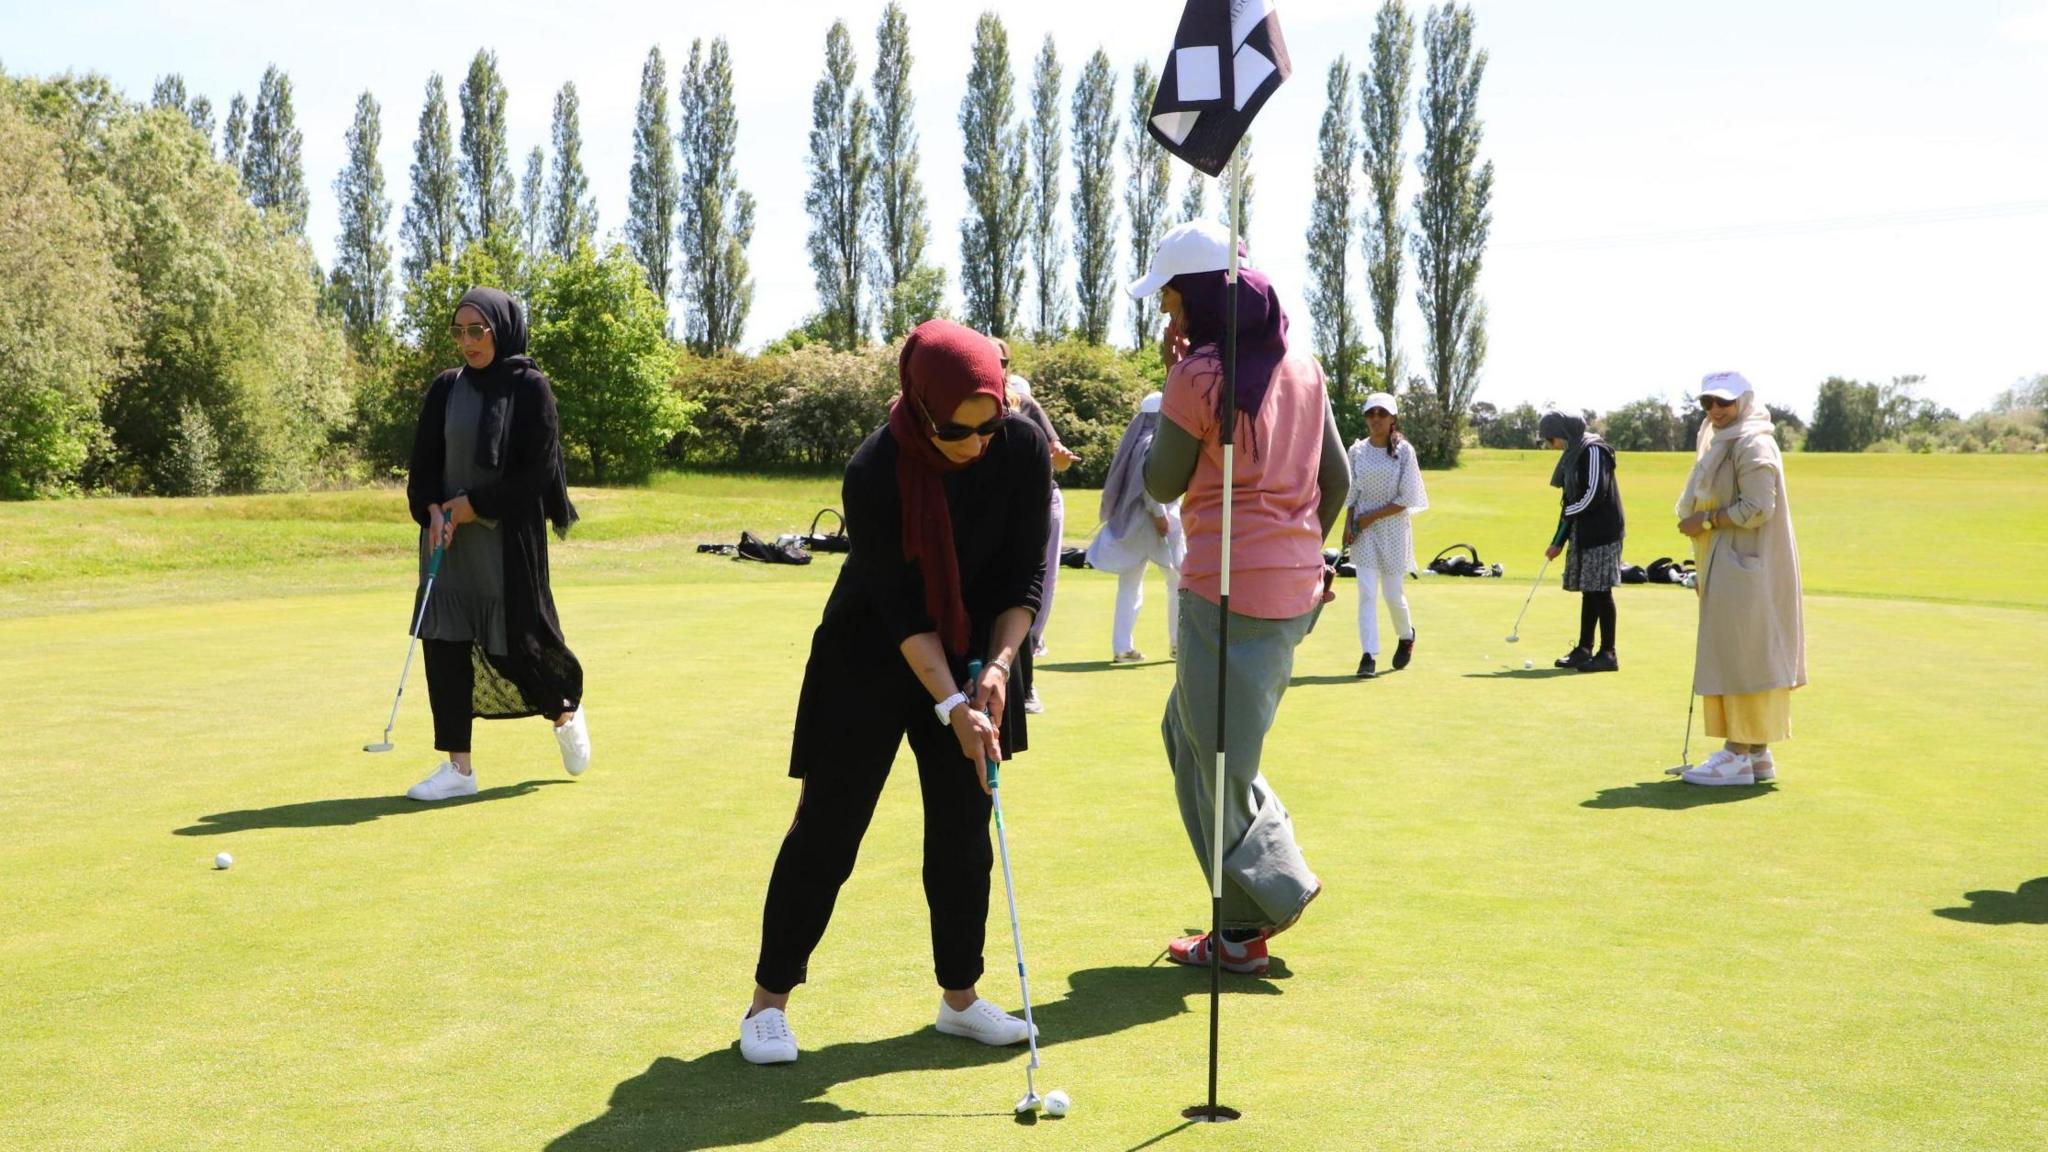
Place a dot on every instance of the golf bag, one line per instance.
(1634, 574)
(1341, 561)
(1665, 570)
(1073, 558)
(787, 549)
(1445, 564)
(831, 541)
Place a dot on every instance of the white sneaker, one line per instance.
(574, 737)
(1132, 657)
(447, 783)
(1762, 768)
(1723, 767)
(982, 1021)
(765, 1038)
(1031, 703)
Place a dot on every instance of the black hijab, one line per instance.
(494, 381)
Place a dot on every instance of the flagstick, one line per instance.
(1214, 1113)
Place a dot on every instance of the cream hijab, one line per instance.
(1715, 447)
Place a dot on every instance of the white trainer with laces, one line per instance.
(1761, 767)
(447, 783)
(765, 1038)
(1722, 768)
(574, 737)
(982, 1021)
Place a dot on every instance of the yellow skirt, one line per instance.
(1751, 717)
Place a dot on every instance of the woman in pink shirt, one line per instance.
(1289, 485)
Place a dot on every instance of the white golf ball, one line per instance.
(223, 861)
(1528, 664)
(1056, 1102)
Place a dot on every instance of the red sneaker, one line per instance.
(1246, 959)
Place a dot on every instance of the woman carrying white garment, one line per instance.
(1751, 649)
(1386, 489)
(1137, 530)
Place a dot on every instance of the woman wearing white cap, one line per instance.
(1137, 530)
(1751, 649)
(1386, 489)
(1287, 490)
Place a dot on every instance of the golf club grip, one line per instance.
(434, 561)
(994, 766)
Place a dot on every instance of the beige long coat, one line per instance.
(1752, 633)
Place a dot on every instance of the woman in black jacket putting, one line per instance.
(1591, 524)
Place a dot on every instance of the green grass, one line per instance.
(1528, 940)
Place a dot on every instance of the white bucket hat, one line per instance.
(1196, 246)
(1383, 400)
(1151, 402)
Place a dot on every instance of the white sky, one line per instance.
(1794, 188)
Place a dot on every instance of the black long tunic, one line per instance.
(1000, 507)
(538, 674)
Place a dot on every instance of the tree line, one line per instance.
(1848, 416)
(206, 350)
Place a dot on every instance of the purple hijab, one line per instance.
(1261, 328)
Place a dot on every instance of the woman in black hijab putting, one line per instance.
(1591, 523)
(486, 480)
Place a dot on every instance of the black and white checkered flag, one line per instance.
(1228, 58)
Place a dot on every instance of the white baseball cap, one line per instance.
(1151, 402)
(1383, 400)
(1727, 386)
(1196, 246)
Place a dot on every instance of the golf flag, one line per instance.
(1228, 58)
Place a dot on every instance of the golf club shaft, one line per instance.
(995, 794)
(1516, 631)
(1692, 686)
(419, 621)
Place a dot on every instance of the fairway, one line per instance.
(1529, 937)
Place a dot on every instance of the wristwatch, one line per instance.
(944, 708)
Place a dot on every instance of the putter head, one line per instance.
(379, 746)
(1515, 639)
(1030, 1103)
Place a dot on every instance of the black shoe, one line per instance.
(1366, 671)
(1574, 659)
(1404, 652)
(1603, 662)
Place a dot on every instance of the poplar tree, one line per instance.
(1330, 225)
(1048, 147)
(432, 227)
(361, 279)
(1094, 197)
(1383, 112)
(1453, 214)
(272, 170)
(909, 290)
(487, 204)
(1145, 196)
(716, 217)
(842, 160)
(571, 210)
(651, 202)
(993, 169)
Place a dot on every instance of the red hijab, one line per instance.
(943, 364)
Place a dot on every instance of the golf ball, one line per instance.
(1056, 1102)
(223, 861)
(1525, 664)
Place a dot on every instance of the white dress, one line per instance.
(1387, 545)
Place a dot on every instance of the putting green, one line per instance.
(1529, 939)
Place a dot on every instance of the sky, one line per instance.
(1794, 189)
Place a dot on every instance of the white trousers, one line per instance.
(1387, 584)
(1130, 596)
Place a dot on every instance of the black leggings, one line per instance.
(831, 817)
(1596, 607)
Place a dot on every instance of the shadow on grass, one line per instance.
(2027, 904)
(718, 1100)
(1095, 666)
(1675, 795)
(1308, 681)
(341, 813)
(1522, 674)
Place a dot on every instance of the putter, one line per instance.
(1515, 636)
(433, 570)
(1031, 1101)
(1685, 763)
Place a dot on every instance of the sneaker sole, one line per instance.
(1731, 781)
(1258, 968)
(773, 1058)
(970, 1034)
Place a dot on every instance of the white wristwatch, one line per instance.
(944, 708)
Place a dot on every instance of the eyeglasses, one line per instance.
(953, 433)
(468, 331)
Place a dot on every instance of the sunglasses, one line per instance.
(1370, 412)
(1715, 402)
(468, 331)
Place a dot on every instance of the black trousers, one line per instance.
(451, 686)
(832, 815)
